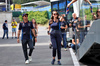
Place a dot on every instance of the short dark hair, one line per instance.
(5, 20)
(97, 13)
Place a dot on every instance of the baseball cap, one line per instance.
(24, 14)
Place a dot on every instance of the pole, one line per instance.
(9, 5)
(75, 41)
(6, 4)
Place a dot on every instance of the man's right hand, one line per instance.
(48, 33)
(18, 41)
(35, 39)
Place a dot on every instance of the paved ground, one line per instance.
(11, 52)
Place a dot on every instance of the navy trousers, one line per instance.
(56, 42)
(5, 32)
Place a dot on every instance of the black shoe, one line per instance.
(16, 37)
(50, 46)
(59, 63)
(8, 38)
(12, 37)
(2, 38)
(53, 61)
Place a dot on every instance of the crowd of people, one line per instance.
(57, 30)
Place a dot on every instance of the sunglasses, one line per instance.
(55, 14)
(25, 16)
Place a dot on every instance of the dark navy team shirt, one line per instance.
(87, 23)
(74, 25)
(55, 26)
(63, 24)
(81, 23)
(5, 26)
(26, 30)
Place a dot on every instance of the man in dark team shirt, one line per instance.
(5, 28)
(74, 21)
(63, 31)
(26, 28)
(82, 26)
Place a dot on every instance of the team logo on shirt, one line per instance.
(28, 24)
(23, 24)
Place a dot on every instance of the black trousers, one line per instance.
(24, 46)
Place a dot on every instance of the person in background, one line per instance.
(56, 37)
(63, 31)
(75, 42)
(14, 25)
(36, 30)
(74, 22)
(83, 28)
(5, 29)
(26, 38)
(87, 24)
(97, 16)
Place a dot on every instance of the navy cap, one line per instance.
(24, 14)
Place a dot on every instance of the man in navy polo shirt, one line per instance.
(5, 28)
(26, 38)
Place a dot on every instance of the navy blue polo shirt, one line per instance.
(26, 30)
(55, 26)
(87, 23)
(63, 24)
(5, 26)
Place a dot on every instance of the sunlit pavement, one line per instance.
(11, 53)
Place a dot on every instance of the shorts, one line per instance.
(13, 29)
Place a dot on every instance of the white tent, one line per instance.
(2, 3)
(39, 3)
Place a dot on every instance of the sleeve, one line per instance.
(49, 23)
(88, 22)
(32, 25)
(16, 23)
(20, 26)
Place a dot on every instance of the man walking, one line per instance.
(5, 29)
(14, 25)
(26, 28)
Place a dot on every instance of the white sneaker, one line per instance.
(30, 58)
(27, 62)
(65, 49)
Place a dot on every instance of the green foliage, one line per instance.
(88, 13)
(49, 10)
(20, 18)
(40, 17)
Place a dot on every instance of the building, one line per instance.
(3, 6)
